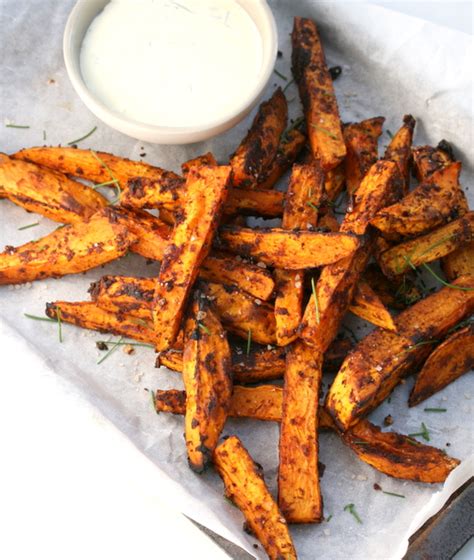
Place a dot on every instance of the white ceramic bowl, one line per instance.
(78, 22)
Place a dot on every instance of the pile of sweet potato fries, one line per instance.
(284, 291)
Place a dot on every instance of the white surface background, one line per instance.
(79, 499)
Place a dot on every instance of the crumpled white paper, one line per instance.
(392, 65)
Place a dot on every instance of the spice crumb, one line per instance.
(388, 420)
(128, 349)
(377, 486)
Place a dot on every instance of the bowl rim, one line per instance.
(117, 120)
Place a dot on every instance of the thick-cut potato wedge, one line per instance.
(267, 203)
(317, 94)
(292, 250)
(393, 454)
(361, 144)
(263, 402)
(205, 159)
(427, 160)
(47, 192)
(367, 305)
(430, 204)
(399, 149)
(450, 360)
(206, 377)
(100, 167)
(206, 189)
(288, 150)
(379, 362)
(243, 315)
(397, 455)
(303, 199)
(68, 250)
(428, 247)
(244, 485)
(89, 315)
(259, 147)
(381, 186)
(299, 495)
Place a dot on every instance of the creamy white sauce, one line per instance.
(172, 63)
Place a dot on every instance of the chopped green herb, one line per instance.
(316, 302)
(294, 125)
(153, 401)
(325, 131)
(447, 284)
(280, 75)
(185, 8)
(44, 135)
(90, 133)
(60, 325)
(389, 133)
(28, 226)
(313, 206)
(204, 328)
(436, 409)
(249, 342)
(393, 494)
(112, 176)
(329, 518)
(288, 85)
(425, 434)
(114, 347)
(36, 318)
(106, 183)
(351, 509)
(124, 343)
(17, 126)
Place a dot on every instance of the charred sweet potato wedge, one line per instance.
(199, 161)
(399, 149)
(380, 360)
(299, 495)
(259, 147)
(89, 315)
(47, 192)
(290, 146)
(335, 180)
(367, 305)
(459, 262)
(397, 292)
(436, 201)
(244, 485)
(101, 167)
(257, 202)
(68, 250)
(206, 377)
(382, 185)
(428, 247)
(427, 160)
(451, 359)
(397, 455)
(291, 250)
(361, 141)
(317, 94)
(302, 202)
(189, 244)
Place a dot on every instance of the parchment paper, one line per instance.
(392, 65)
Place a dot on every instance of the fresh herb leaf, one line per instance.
(17, 126)
(295, 124)
(124, 343)
(153, 401)
(313, 206)
(60, 325)
(28, 226)
(112, 176)
(204, 328)
(114, 347)
(36, 318)
(389, 133)
(436, 409)
(325, 131)
(288, 85)
(316, 302)
(351, 509)
(447, 284)
(280, 75)
(393, 494)
(249, 342)
(90, 133)
(425, 434)
(44, 135)
(329, 518)
(106, 183)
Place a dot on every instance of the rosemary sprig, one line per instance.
(17, 126)
(313, 206)
(291, 82)
(28, 226)
(90, 133)
(60, 325)
(324, 130)
(447, 284)
(351, 509)
(106, 183)
(152, 396)
(204, 328)
(114, 347)
(435, 409)
(36, 318)
(316, 302)
(294, 125)
(280, 75)
(329, 518)
(112, 176)
(389, 133)
(393, 494)
(249, 341)
(126, 343)
(425, 434)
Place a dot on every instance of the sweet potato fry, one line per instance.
(244, 485)
(205, 159)
(382, 185)
(317, 94)
(100, 167)
(259, 147)
(383, 358)
(459, 262)
(90, 315)
(367, 305)
(68, 250)
(242, 314)
(206, 189)
(303, 199)
(427, 160)
(292, 250)
(428, 247)
(334, 182)
(299, 495)
(206, 377)
(47, 192)
(267, 203)
(451, 359)
(361, 141)
(399, 149)
(397, 455)
(430, 204)
(396, 292)
(289, 148)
